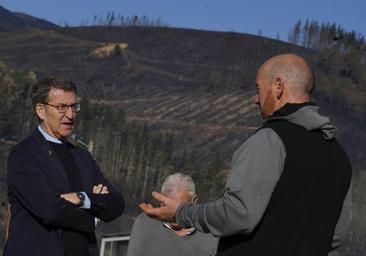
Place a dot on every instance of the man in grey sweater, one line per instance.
(288, 192)
(150, 237)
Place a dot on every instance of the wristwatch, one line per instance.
(81, 198)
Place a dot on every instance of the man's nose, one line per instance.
(70, 113)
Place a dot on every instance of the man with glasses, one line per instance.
(55, 189)
(172, 239)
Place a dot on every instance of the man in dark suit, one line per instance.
(55, 189)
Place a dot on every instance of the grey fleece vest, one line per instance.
(306, 203)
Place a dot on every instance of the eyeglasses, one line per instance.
(62, 108)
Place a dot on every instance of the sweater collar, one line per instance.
(290, 108)
(307, 116)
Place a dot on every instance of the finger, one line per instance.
(100, 187)
(143, 207)
(160, 198)
(148, 209)
(95, 189)
(147, 205)
(104, 190)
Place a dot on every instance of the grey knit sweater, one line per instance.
(150, 238)
(256, 168)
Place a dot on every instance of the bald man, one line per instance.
(289, 181)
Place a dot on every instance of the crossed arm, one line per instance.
(75, 200)
(30, 189)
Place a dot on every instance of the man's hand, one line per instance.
(100, 189)
(165, 212)
(72, 198)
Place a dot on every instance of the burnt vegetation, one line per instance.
(157, 100)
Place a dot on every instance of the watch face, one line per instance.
(81, 197)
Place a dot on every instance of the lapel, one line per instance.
(51, 156)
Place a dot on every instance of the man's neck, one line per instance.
(47, 136)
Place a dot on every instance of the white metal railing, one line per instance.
(112, 240)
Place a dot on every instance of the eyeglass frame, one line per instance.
(74, 107)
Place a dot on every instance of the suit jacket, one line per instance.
(35, 179)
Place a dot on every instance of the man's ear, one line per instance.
(40, 111)
(195, 199)
(279, 87)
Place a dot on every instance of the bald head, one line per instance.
(283, 79)
(293, 70)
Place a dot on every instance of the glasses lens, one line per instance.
(75, 107)
(62, 108)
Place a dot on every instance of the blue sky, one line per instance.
(269, 16)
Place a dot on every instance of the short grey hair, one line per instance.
(177, 182)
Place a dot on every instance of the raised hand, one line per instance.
(166, 211)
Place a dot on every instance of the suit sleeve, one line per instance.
(106, 207)
(256, 169)
(29, 187)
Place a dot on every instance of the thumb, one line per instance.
(160, 197)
